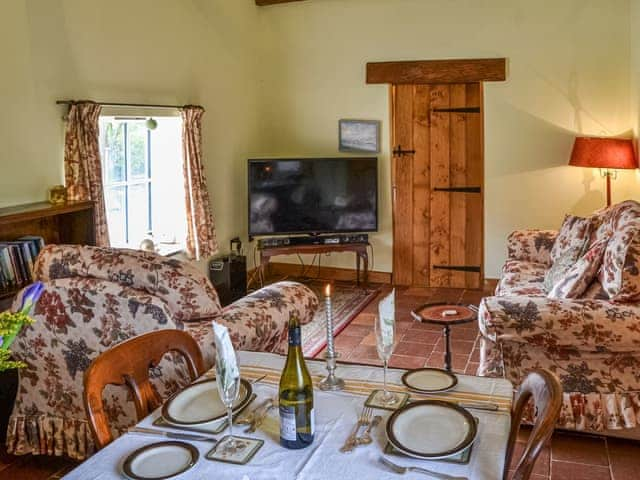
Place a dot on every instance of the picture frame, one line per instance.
(359, 135)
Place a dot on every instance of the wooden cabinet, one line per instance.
(72, 222)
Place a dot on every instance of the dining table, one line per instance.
(336, 413)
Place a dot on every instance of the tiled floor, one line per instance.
(567, 457)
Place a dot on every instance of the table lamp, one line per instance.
(607, 154)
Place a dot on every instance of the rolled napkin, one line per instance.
(386, 318)
(225, 354)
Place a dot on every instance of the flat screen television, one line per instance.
(313, 195)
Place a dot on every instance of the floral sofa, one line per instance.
(591, 342)
(97, 297)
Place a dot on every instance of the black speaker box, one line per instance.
(228, 274)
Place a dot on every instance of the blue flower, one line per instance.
(31, 295)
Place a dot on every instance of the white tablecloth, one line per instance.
(335, 416)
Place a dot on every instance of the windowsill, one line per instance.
(164, 249)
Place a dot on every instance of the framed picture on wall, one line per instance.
(359, 136)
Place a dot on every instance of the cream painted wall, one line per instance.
(143, 51)
(568, 72)
(276, 80)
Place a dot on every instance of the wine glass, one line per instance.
(229, 389)
(385, 335)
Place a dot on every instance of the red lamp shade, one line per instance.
(603, 153)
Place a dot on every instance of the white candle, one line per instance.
(329, 313)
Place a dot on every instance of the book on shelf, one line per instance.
(17, 258)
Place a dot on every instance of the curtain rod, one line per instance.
(113, 104)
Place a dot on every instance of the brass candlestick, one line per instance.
(330, 382)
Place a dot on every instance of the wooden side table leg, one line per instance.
(447, 346)
(365, 273)
(357, 268)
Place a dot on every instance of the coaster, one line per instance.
(462, 457)
(241, 457)
(212, 427)
(375, 400)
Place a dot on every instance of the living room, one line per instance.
(276, 80)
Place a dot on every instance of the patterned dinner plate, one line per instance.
(431, 429)
(160, 461)
(200, 403)
(429, 380)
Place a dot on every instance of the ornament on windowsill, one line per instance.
(151, 123)
(57, 195)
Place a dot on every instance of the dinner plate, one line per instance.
(159, 461)
(200, 403)
(431, 429)
(429, 380)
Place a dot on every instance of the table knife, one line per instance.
(172, 435)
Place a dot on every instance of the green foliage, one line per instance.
(10, 325)
(6, 363)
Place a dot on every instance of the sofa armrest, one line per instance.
(259, 321)
(531, 245)
(561, 325)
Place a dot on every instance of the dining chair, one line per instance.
(544, 388)
(128, 364)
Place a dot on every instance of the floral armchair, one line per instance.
(97, 297)
(592, 342)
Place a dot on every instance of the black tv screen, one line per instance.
(313, 195)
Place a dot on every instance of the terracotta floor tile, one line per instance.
(370, 339)
(624, 458)
(403, 327)
(461, 347)
(363, 319)
(413, 348)
(346, 342)
(426, 337)
(360, 331)
(469, 334)
(472, 368)
(364, 352)
(579, 449)
(407, 361)
(578, 471)
(459, 362)
(543, 461)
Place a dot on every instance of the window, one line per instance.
(143, 181)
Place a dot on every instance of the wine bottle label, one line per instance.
(288, 423)
(295, 339)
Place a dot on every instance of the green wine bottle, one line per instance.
(296, 395)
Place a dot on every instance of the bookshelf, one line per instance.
(72, 222)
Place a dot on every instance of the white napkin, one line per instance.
(225, 354)
(386, 318)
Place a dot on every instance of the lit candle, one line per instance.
(329, 313)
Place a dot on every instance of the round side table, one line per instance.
(446, 315)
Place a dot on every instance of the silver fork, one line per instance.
(363, 420)
(402, 470)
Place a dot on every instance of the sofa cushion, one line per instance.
(579, 276)
(573, 239)
(522, 278)
(620, 273)
(186, 291)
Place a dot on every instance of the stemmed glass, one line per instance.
(385, 335)
(229, 389)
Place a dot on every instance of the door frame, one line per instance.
(434, 72)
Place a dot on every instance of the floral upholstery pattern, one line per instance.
(88, 306)
(522, 278)
(186, 291)
(573, 239)
(581, 274)
(531, 245)
(592, 342)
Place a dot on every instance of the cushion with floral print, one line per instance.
(580, 275)
(573, 238)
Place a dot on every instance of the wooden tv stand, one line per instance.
(360, 249)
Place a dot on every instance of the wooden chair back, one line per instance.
(544, 388)
(128, 364)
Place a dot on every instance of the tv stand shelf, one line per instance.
(360, 249)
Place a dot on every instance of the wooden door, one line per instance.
(437, 175)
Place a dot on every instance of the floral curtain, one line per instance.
(201, 230)
(82, 166)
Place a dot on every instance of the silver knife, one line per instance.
(172, 435)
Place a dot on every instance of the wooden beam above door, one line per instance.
(264, 3)
(438, 71)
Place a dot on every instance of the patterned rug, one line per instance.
(348, 301)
